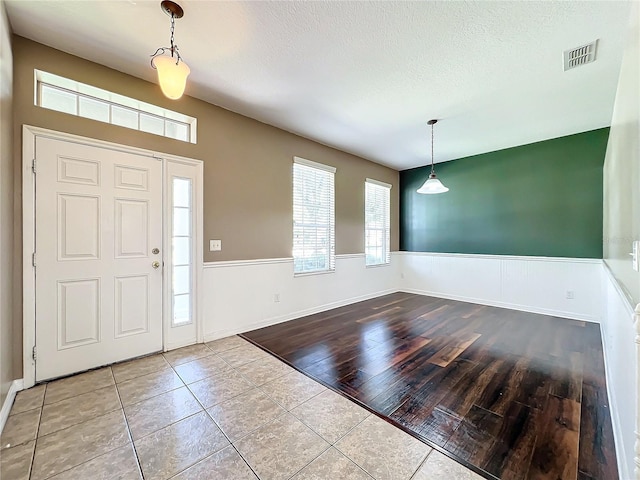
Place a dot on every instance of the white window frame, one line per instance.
(385, 229)
(110, 100)
(331, 255)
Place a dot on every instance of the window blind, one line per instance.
(313, 217)
(377, 222)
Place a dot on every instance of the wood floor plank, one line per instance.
(497, 388)
(456, 346)
(555, 456)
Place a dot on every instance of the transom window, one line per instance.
(75, 98)
(376, 222)
(313, 217)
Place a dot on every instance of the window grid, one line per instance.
(313, 219)
(181, 236)
(377, 223)
(58, 98)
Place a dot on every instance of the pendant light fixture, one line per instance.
(432, 185)
(172, 71)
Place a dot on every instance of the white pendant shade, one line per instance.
(432, 186)
(172, 77)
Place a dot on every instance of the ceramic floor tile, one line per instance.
(201, 368)
(187, 354)
(28, 399)
(281, 448)
(15, 463)
(219, 388)
(20, 428)
(118, 464)
(178, 446)
(158, 412)
(139, 367)
(264, 370)
(227, 343)
(333, 465)
(223, 465)
(245, 354)
(74, 410)
(441, 466)
(147, 386)
(382, 450)
(330, 415)
(245, 413)
(292, 389)
(75, 445)
(78, 384)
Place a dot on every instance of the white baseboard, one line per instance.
(511, 306)
(208, 337)
(15, 387)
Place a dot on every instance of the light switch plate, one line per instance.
(215, 245)
(635, 255)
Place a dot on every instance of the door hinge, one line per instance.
(33, 165)
(34, 353)
(33, 259)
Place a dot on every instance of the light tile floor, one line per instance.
(224, 410)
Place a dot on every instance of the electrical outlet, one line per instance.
(215, 245)
(276, 298)
(570, 295)
(635, 255)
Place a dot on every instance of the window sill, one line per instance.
(377, 265)
(318, 272)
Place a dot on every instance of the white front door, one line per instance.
(98, 256)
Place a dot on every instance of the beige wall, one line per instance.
(247, 164)
(7, 371)
(622, 169)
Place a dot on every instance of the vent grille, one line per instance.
(579, 56)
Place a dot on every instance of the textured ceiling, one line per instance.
(366, 76)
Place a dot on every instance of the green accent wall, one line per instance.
(542, 199)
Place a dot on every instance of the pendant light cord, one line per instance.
(173, 26)
(432, 169)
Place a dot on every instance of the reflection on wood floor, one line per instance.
(516, 395)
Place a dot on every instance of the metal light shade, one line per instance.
(172, 76)
(432, 186)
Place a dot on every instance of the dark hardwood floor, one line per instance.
(513, 395)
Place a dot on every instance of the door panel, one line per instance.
(98, 219)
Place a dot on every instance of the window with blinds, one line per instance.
(377, 212)
(314, 242)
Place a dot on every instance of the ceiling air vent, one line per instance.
(579, 56)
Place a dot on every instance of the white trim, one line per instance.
(240, 263)
(503, 257)
(309, 163)
(618, 288)
(511, 306)
(197, 242)
(293, 315)
(14, 388)
(29, 134)
(378, 182)
(349, 255)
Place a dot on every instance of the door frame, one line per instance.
(29, 135)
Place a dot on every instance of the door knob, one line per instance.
(155, 264)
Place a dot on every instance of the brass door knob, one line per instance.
(155, 264)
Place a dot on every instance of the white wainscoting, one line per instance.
(240, 295)
(618, 332)
(532, 284)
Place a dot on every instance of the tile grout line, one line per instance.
(35, 440)
(214, 422)
(126, 421)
